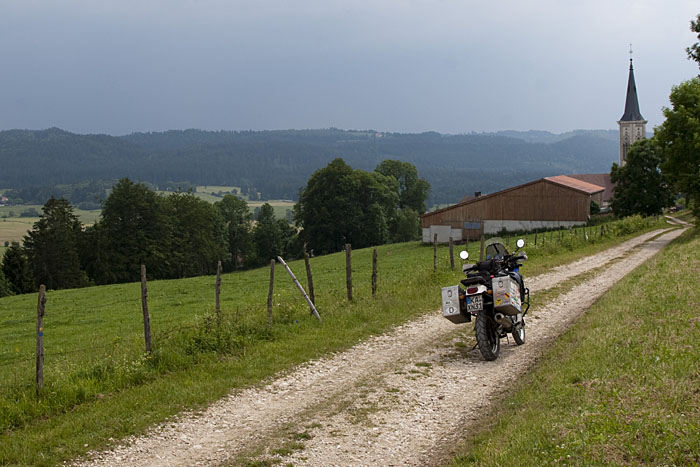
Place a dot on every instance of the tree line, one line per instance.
(278, 163)
(180, 235)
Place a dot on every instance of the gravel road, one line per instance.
(395, 399)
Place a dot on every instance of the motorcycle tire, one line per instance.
(519, 333)
(487, 337)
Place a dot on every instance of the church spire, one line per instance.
(632, 112)
(633, 127)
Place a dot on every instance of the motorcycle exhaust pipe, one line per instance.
(504, 321)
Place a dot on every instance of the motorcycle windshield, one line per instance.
(495, 249)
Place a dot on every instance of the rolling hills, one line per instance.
(278, 163)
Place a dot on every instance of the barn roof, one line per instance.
(600, 180)
(576, 184)
(562, 180)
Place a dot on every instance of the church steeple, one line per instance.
(631, 104)
(632, 124)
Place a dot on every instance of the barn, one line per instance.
(550, 202)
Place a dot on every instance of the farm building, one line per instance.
(550, 202)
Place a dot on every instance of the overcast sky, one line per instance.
(453, 66)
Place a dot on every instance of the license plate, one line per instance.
(475, 303)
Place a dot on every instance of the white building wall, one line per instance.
(444, 232)
(495, 226)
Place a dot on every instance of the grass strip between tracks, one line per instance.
(621, 387)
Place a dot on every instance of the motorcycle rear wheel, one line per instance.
(487, 337)
(519, 333)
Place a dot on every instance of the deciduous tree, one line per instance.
(641, 187)
(237, 222)
(340, 205)
(694, 50)
(267, 236)
(679, 139)
(198, 239)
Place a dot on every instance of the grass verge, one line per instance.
(100, 385)
(620, 387)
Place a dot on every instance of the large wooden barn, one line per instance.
(551, 202)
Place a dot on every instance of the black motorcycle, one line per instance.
(495, 294)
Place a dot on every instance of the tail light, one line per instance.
(471, 290)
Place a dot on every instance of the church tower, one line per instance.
(633, 127)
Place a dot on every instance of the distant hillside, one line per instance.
(278, 163)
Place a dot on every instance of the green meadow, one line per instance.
(100, 384)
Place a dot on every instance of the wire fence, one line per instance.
(127, 341)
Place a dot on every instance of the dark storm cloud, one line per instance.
(450, 66)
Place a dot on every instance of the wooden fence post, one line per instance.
(435, 252)
(40, 308)
(309, 278)
(452, 255)
(270, 292)
(374, 273)
(535, 238)
(144, 306)
(348, 270)
(218, 291)
(301, 289)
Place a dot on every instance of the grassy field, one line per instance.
(100, 385)
(620, 388)
(13, 228)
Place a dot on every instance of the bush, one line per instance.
(31, 212)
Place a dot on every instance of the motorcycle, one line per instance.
(494, 294)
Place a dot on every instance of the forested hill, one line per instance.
(278, 163)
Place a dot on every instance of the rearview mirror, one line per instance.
(464, 254)
(520, 243)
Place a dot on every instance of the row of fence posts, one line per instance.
(310, 299)
(543, 237)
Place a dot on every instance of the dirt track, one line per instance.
(396, 399)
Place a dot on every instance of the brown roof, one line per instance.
(562, 180)
(576, 184)
(600, 180)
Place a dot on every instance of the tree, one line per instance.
(5, 289)
(412, 191)
(15, 267)
(134, 229)
(52, 247)
(237, 222)
(679, 139)
(406, 226)
(267, 236)
(694, 50)
(340, 205)
(198, 238)
(641, 187)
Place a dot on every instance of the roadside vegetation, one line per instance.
(619, 388)
(99, 384)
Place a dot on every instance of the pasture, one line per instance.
(99, 383)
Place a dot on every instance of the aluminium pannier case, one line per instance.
(451, 307)
(506, 295)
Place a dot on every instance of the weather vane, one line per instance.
(630, 51)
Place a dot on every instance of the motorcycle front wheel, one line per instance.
(487, 337)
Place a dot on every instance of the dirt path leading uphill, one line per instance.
(395, 399)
